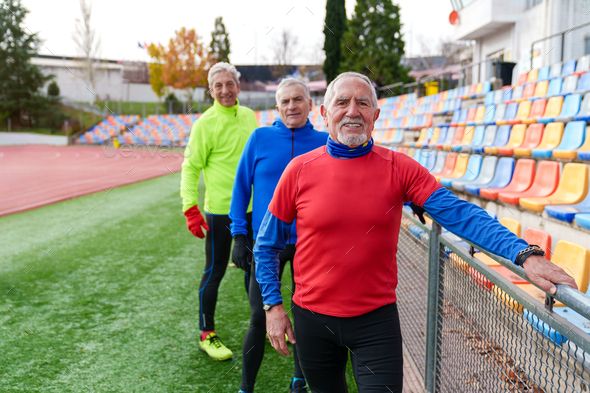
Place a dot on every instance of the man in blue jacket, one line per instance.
(267, 153)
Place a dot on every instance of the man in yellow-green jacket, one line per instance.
(215, 147)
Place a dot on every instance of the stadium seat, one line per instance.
(441, 158)
(416, 155)
(488, 139)
(572, 189)
(512, 225)
(551, 139)
(479, 114)
(468, 172)
(502, 136)
(532, 138)
(574, 259)
(521, 79)
(570, 108)
(540, 238)
(440, 133)
(455, 118)
(516, 94)
(544, 184)
(543, 74)
(498, 96)
(488, 117)
(568, 68)
(449, 167)
(517, 135)
(499, 113)
(555, 70)
(421, 138)
(583, 65)
(469, 118)
(537, 110)
(485, 88)
(570, 83)
(527, 92)
(584, 113)
(568, 212)
(462, 118)
(583, 83)
(583, 220)
(448, 138)
(541, 89)
(511, 110)
(467, 138)
(524, 108)
(501, 178)
(485, 175)
(552, 110)
(489, 100)
(522, 179)
(554, 88)
(584, 150)
(457, 138)
(434, 135)
(573, 139)
(532, 75)
(399, 136)
(477, 140)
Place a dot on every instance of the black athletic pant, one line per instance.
(217, 251)
(254, 341)
(373, 339)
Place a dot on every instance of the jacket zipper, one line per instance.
(292, 150)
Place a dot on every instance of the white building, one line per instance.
(508, 29)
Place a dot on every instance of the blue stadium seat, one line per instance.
(455, 118)
(583, 220)
(570, 108)
(584, 83)
(554, 88)
(543, 74)
(572, 139)
(489, 98)
(487, 87)
(417, 155)
(502, 136)
(506, 95)
(510, 113)
(399, 136)
(502, 177)
(486, 174)
(489, 116)
(568, 212)
(568, 68)
(499, 113)
(584, 113)
(477, 140)
(431, 160)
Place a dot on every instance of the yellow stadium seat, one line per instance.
(508, 300)
(532, 75)
(551, 138)
(574, 260)
(410, 152)
(541, 89)
(460, 167)
(479, 114)
(512, 225)
(468, 136)
(478, 88)
(572, 188)
(433, 137)
(553, 108)
(524, 108)
(516, 137)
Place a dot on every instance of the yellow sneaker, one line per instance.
(213, 347)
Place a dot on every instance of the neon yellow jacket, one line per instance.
(215, 146)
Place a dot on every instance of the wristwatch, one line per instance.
(527, 252)
(267, 307)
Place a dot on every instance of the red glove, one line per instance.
(194, 222)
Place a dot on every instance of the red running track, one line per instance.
(33, 175)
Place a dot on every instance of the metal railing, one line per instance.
(467, 328)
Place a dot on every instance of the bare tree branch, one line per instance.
(88, 46)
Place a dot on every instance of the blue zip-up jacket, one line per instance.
(266, 155)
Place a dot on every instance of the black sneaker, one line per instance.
(298, 386)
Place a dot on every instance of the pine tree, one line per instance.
(334, 29)
(373, 44)
(21, 82)
(219, 48)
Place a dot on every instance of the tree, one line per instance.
(185, 62)
(334, 29)
(155, 67)
(285, 49)
(21, 83)
(88, 45)
(53, 89)
(373, 44)
(219, 47)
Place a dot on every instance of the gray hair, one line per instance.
(330, 90)
(288, 82)
(221, 66)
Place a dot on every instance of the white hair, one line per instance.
(221, 66)
(288, 82)
(330, 90)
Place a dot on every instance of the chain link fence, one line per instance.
(479, 335)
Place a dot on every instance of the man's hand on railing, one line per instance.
(545, 274)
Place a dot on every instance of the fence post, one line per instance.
(432, 308)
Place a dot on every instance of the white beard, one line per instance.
(352, 139)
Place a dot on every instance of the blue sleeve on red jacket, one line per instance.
(242, 189)
(271, 240)
(473, 223)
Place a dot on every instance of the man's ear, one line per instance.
(324, 113)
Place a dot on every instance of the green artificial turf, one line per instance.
(99, 294)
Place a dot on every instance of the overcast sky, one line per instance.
(253, 25)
